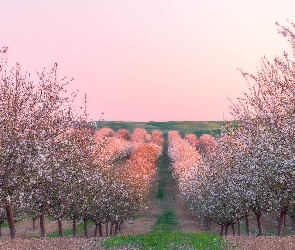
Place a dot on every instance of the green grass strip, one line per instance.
(167, 221)
(69, 231)
(5, 223)
(161, 189)
(167, 241)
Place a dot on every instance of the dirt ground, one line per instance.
(25, 230)
(187, 223)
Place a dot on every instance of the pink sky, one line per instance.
(145, 60)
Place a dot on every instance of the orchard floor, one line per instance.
(25, 234)
(26, 241)
(186, 223)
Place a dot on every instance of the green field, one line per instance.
(166, 234)
(184, 127)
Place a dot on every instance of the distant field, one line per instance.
(184, 127)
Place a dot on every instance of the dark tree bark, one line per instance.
(111, 230)
(233, 229)
(42, 222)
(60, 231)
(34, 223)
(221, 230)
(10, 218)
(100, 229)
(96, 230)
(247, 225)
(226, 230)
(259, 224)
(293, 219)
(116, 228)
(85, 228)
(107, 229)
(239, 228)
(75, 228)
(1, 222)
(281, 221)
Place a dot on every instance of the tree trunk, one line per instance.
(226, 230)
(293, 219)
(107, 229)
(247, 225)
(233, 228)
(100, 229)
(239, 228)
(34, 223)
(111, 230)
(75, 228)
(206, 223)
(281, 221)
(116, 228)
(42, 222)
(1, 222)
(221, 230)
(85, 228)
(119, 227)
(96, 230)
(60, 231)
(10, 218)
(259, 224)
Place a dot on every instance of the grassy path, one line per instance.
(166, 234)
(167, 222)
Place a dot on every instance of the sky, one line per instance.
(147, 60)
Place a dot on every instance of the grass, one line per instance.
(167, 222)
(69, 231)
(164, 234)
(162, 182)
(164, 174)
(161, 191)
(184, 127)
(4, 224)
(168, 241)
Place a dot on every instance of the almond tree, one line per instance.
(2, 219)
(192, 139)
(120, 191)
(32, 115)
(157, 137)
(139, 136)
(110, 150)
(69, 172)
(123, 134)
(270, 103)
(105, 132)
(206, 144)
(183, 156)
(256, 159)
(141, 169)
